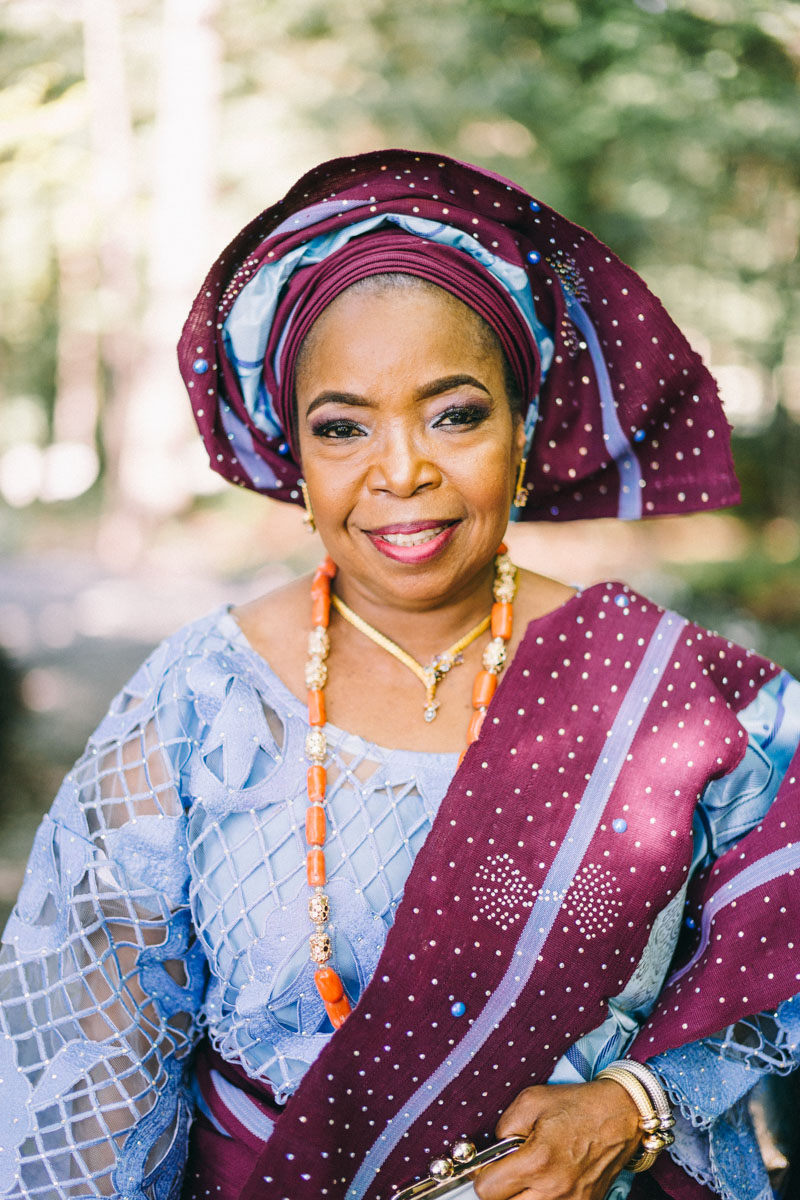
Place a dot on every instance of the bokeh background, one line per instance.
(137, 136)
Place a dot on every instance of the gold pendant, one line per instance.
(432, 677)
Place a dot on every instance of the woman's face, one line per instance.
(408, 443)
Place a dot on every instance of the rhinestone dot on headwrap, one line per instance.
(382, 253)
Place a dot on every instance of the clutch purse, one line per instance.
(451, 1175)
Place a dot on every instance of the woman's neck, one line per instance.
(422, 628)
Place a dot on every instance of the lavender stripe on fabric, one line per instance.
(242, 1107)
(758, 873)
(630, 475)
(780, 711)
(534, 934)
(201, 1105)
(314, 214)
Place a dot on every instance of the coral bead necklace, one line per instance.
(327, 981)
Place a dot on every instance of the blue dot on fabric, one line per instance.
(621, 601)
(534, 256)
(619, 825)
(283, 448)
(458, 1009)
(639, 436)
(200, 366)
(690, 923)
(535, 206)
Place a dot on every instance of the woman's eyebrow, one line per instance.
(446, 384)
(434, 388)
(338, 398)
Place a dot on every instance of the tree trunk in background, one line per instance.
(71, 462)
(113, 184)
(75, 411)
(154, 462)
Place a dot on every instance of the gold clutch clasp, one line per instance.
(454, 1169)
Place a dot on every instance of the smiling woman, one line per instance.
(526, 881)
(417, 432)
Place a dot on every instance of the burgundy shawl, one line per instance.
(564, 833)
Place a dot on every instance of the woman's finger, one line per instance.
(520, 1116)
(513, 1175)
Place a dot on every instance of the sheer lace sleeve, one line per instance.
(101, 978)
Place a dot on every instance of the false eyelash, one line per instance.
(470, 413)
(324, 427)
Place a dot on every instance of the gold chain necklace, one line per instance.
(328, 983)
(439, 665)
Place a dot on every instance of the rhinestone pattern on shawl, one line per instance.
(627, 421)
(666, 696)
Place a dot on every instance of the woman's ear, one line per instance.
(519, 491)
(519, 438)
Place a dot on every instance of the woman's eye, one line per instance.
(462, 414)
(337, 429)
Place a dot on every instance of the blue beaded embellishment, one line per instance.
(639, 436)
(200, 366)
(533, 256)
(621, 601)
(619, 825)
(458, 1009)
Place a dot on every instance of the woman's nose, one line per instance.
(402, 464)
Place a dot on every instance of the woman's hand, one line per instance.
(580, 1136)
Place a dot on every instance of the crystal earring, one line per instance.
(308, 516)
(521, 492)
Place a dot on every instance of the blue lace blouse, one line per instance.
(165, 897)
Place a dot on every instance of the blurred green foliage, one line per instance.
(669, 127)
(673, 135)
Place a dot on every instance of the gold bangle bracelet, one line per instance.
(655, 1090)
(649, 1121)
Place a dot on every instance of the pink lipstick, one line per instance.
(412, 541)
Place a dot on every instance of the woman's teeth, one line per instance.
(412, 539)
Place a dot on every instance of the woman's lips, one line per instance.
(412, 542)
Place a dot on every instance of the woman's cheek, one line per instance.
(489, 477)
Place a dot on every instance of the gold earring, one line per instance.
(308, 516)
(521, 492)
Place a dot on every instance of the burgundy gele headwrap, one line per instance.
(629, 419)
(313, 288)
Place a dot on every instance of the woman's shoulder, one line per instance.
(272, 617)
(275, 626)
(708, 659)
(537, 595)
(211, 635)
(618, 609)
(192, 671)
